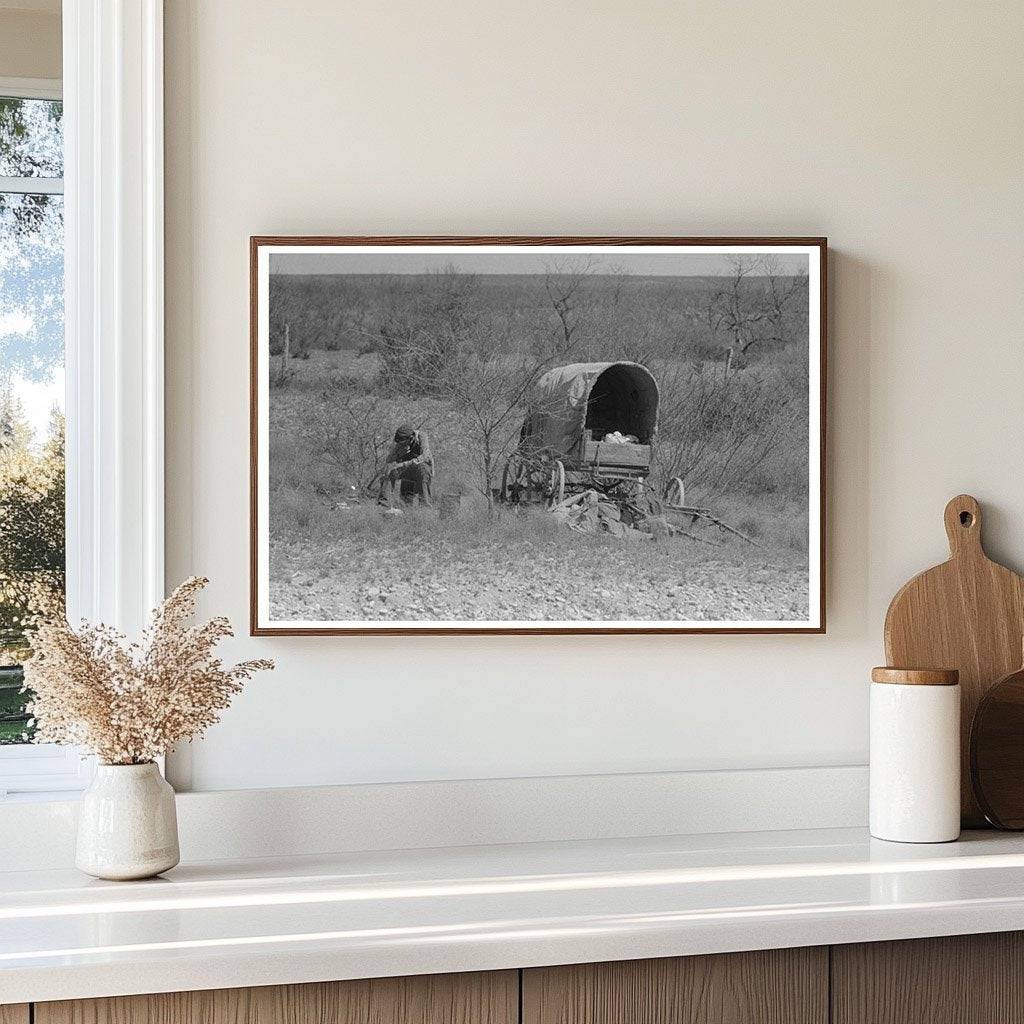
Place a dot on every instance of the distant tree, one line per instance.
(16, 433)
(425, 328)
(755, 306)
(786, 301)
(564, 285)
(737, 310)
(32, 552)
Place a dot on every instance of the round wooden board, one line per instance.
(997, 753)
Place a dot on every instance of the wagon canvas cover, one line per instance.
(618, 396)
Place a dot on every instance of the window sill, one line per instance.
(44, 771)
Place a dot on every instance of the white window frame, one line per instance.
(45, 767)
(32, 88)
(114, 325)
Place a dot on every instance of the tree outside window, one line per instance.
(31, 386)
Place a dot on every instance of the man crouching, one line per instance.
(409, 465)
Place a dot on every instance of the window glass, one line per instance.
(31, 387)
(31, 139)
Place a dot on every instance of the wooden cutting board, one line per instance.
(967, 614)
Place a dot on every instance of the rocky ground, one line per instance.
(413, 567)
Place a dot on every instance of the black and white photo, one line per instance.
(563, 435)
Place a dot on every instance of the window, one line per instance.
(107, 143)
(32, 550)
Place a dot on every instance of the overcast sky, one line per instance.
(664, 264)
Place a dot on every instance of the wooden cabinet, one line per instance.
(777, 986)
(963, 979)
(490, 998)
(971, 979)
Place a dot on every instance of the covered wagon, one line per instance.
(588, 426)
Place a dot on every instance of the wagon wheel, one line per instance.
(649, 501)
(514, 480)
(675, 492)
(557, 487)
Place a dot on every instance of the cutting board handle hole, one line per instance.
(962, 518)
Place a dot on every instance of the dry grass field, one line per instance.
(737, 434)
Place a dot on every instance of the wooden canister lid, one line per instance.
(916, 676)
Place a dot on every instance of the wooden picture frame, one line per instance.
(615, 253)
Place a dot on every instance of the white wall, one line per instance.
(895, 129)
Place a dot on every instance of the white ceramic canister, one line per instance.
(127, 825)
(915, 755)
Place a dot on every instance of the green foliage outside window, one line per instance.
(31, 549)
(31, 356)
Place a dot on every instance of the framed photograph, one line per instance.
(537, 435)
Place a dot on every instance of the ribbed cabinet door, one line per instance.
(778, 986)
(14, 1013)
(962, 979)
(490, 998)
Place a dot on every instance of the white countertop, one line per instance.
(262, 922)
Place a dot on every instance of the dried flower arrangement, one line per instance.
(129, 703)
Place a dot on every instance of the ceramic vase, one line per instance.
(127, 825)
